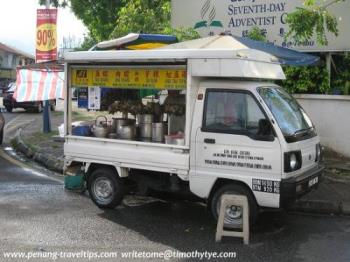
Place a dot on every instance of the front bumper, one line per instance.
(295, 187)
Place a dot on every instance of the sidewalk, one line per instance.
(28, 137)
(332, 195)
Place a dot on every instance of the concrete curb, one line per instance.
(47, 161)
(322, 207)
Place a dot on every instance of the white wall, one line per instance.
(331, 116)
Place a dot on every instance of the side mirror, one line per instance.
(265, 131)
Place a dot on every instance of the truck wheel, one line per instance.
(53, 107)
(233, 217)
(9, 109)
(106, 189)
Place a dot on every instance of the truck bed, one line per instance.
(130, 154)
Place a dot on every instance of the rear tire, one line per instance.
(105, 187)
(233, 217)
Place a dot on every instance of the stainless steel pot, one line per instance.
(157, 132)
(145, 130)
(119, 122)
(145, 118)
(127, 132)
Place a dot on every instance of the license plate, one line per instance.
(313, 181)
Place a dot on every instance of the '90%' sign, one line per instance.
(46, 37)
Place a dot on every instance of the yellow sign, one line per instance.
(129, 78)
(46, 37)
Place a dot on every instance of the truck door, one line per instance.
(236, 141)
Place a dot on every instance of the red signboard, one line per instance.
(46, 35)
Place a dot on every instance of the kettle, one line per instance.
(100, 129)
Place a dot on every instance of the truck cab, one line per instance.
(254, 139)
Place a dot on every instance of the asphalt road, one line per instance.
(37, 214)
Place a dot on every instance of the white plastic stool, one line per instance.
(233, 200)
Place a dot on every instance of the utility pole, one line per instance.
(46, 113)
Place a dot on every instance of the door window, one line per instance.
(231, 112)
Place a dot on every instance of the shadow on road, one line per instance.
(187, 226)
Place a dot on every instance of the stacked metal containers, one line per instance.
(145, 126)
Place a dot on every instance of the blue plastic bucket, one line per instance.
(81, 131)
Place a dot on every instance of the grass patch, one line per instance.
(338, 172)
(57, 113)
(38, 138)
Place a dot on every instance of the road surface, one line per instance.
(38, 215)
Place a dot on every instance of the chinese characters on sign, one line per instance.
(46, 35)
(138, 78)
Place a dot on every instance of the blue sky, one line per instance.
(18, 24)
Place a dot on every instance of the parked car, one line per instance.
(2, 124)
(10, 102)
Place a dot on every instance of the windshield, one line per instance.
(12, 87)
(289, 115)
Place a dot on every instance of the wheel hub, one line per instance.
(103, 190)
(233, 215)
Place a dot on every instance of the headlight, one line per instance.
(292, 161)
(318, 153)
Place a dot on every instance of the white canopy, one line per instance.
(216, 56)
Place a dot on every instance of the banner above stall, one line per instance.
(38, 85)
(130, 78)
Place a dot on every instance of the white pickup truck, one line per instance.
(243, 134)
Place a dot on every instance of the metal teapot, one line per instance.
(100, 129)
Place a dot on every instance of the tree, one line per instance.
(313, 18)
(109, 19)
(148, 16)
(256, 34)
(98, 16)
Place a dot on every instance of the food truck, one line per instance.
(218, 126)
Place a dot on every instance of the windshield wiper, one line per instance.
(302, 131)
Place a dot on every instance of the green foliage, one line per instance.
(256, 34)
(149, 17)
(98, 16)
(182, 34)
(109, 19)
(55, 3)
(309, 79)
(341, 81)
(142, 16)
(88, 42)
(313, 18)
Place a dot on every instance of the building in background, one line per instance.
(237, 17)
(10, 58)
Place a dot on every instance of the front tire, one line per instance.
(105, 187)
(9, 109)
(233, 216)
